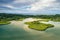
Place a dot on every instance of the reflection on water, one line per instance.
(17, 30)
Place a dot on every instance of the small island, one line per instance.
(39, 26)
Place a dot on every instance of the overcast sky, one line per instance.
(30, 6)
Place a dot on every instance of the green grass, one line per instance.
(4, 22)
(38, 26)
(56, 20)
(21, 19)
(46, 20)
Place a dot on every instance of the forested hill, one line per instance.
(5, 16)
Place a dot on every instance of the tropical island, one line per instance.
(38, 26)
(5, 18)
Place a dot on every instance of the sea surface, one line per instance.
(17, 30)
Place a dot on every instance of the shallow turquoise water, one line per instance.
(18, 31)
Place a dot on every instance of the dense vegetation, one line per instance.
(9, 17)
(38, 26)
(5, 18)
(4, 22)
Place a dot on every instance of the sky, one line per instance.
(30, 6)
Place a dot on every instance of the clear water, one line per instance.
(19, 31)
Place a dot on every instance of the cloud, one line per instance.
(31, 6)
(21, 1)
(16, 4)
(6, 1)
(41, 4)
(10, 6)
(58, 0)
(24, 1)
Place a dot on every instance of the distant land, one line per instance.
(33, 13)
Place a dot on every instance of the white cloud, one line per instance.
(33, 6)
(54, 6)
(23, 1)
(41, 5)
(10, 6)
